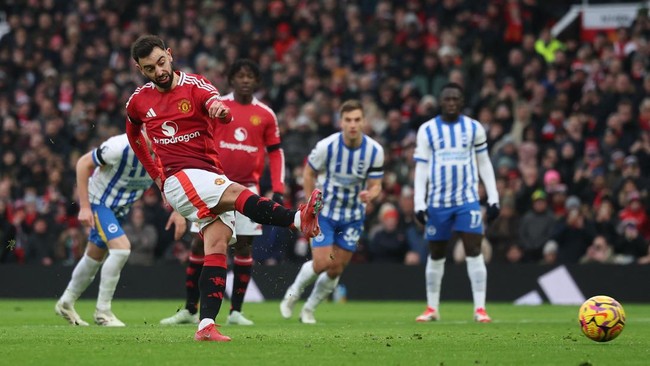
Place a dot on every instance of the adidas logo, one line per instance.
(150, 113)
(559, 287)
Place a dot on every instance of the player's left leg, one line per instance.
(437, 232)
(119, 249)
(469, 225)
(242, 268)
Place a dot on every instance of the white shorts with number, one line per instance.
(243, 225)
(192, 192)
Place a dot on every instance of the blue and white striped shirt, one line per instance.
(119, 179)
(343, 173)
(450, 151)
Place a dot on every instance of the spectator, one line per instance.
(503, 232)
(565, 104)
(635, 212)
(387, 244)
(536, 227)
(600, 251)
(630, 247)
(573, 234)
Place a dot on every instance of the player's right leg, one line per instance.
(438, 232)
(218, 194)
(267, 212)
(189, 314)
(82, 276)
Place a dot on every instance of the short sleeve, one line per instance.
(377, 168)
(423, 149)
(110, 151)
(318, 156)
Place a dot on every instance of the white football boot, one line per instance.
(181, 317)
(67, 312)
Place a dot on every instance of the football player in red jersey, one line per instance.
(252, 135)
(178, 112)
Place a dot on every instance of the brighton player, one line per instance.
(450, 155)
(179, 112)
(252, 135)
(109, 180)
(349, 168)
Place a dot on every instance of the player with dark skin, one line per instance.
(454, 143)
(451, 104)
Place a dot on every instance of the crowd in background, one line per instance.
(568, 119)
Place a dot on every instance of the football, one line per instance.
(601, 318)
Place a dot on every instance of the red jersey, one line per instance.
(177, 123)
(243, 142)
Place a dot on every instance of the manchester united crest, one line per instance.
(184, 106)
(256, 120)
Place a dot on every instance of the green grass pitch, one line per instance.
(353, 333)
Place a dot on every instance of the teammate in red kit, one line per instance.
(178, 112)
(252, 135)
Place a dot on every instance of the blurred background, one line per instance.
(562, 91)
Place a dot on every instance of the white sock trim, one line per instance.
(296, 220)
(205, 322)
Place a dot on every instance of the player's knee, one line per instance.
(242, 250)
(472, 251)
(438, 251)
(216, 245)
(335, 271)
(196, 247)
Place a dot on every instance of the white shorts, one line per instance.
(193, 192)
(243, 225)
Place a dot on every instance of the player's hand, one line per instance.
(364, 196)
(492, 212)
(218, 110)
(86, 218)
(278, 198)
(421, 216)
(180, 225)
